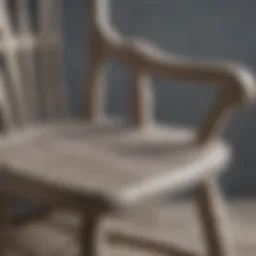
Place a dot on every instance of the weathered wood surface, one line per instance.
(110, 160)
(73, 164)
(176, 223)
(235, 81)
(154, 153)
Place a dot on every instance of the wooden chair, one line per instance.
(99, 166)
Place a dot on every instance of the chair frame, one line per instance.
(235, 83)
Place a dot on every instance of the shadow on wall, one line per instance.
(219, 29)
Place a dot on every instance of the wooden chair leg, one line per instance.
(88, 234)
(214, 220)
(3, 222)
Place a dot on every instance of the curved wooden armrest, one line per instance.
(235, 80)
(147, 57)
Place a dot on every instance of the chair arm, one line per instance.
(235, 80)
(148, 57)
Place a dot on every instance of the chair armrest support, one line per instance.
(145, 55)
(235, 81)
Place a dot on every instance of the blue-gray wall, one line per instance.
(205, 28)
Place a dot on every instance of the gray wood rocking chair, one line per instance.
(97, 165)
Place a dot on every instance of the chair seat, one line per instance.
(74, 160)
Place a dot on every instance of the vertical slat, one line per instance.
(95, 84)
(50, 61)
(96, 72)
(32, 87)
(27, 61)
(62, 97)
(141, 99)
(8, 118)
(44, 57)
(12, 67)
(16, 91)
(23, 17)
(44, 19)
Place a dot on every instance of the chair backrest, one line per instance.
(31, 61)
(30, 57)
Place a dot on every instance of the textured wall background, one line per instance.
(205, 28)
